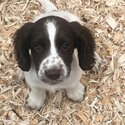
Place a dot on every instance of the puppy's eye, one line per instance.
(65, 46)
(38, 47)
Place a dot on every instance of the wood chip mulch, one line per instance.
(104, 103)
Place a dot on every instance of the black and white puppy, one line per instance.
(52, 51)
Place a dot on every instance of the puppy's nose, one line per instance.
(53, 74)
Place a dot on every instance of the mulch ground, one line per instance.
(104, 103)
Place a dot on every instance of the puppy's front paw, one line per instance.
(35, 101)
(76, 93)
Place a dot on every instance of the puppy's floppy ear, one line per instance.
(21, 44)
(85, 45)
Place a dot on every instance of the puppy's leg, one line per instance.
(36, 98)
(77, 92)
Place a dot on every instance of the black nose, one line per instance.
(53, 74)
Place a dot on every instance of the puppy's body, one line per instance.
(52, 51)
(62, 14)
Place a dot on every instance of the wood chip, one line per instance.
(111, 21)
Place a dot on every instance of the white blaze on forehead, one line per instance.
(53, 59)
(51, 29)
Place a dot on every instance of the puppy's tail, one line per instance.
(47, 5)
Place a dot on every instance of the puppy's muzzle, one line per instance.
(53, 74)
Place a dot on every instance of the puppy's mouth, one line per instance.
(51, 82)
(54, 79)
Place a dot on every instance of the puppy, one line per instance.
(52, 51)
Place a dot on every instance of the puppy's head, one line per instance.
(48, 45)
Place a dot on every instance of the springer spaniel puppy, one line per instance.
(52, 51)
